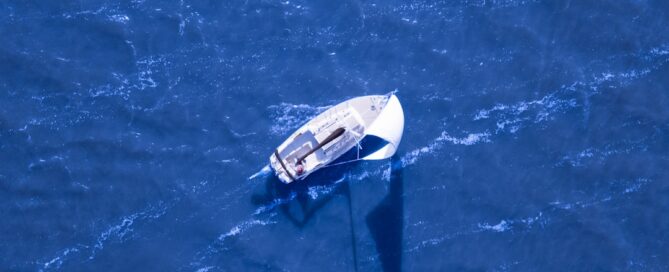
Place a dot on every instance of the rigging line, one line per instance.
(357, 142)
(340, 163)
(349, 161)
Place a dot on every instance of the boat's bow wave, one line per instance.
(261, 173)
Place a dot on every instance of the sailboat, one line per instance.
(336, 131)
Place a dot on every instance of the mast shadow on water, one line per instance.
(385, 221)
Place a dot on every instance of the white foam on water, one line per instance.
(600, 155)
(289, 117)
(538, 110)
(411, 21)
(387, 172)
(503, 226)
(118, 232)
(58, 261)
(506, 266)
(507, 224)
(261, 173)
(432, 188)
(413, 156)
(276, 202)
(636, 185)
(315, 191)
(472, 138)
(241, 227)
(242, 135)
(436, 241)
(119, 18)
(205, 269)
(511, 116)
(226, 161)
(655, 58)
(542, 218)
(581, 204)
(360, 176)
(127, 84)
(632, 187)
(578, 158)
(513, 125)
(200, 186)
(500, 4)
(485, 114)
(435, 97)
(499, 227)
(660, 51)
(440, 51)
(529, 221)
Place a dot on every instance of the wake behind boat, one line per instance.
(339, 129)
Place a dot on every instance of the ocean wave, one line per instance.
(119, 233)
(205, 269)
(387, 172)
(288, 117)
(320, 190)
(276, 202)
(56, 262)
(600, 155)
(243, 226)
(540, 220)
(511, 117)
(537, 110)
(445, 10)
(470, 139)
(217, 247)
(500, 227)
(630, 187)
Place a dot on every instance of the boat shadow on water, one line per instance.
(303, 199)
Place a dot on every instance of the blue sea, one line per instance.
(135, 135)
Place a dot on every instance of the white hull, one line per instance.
(335, 131)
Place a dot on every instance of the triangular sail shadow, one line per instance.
(386, 222)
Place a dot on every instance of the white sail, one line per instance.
(389, 126)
